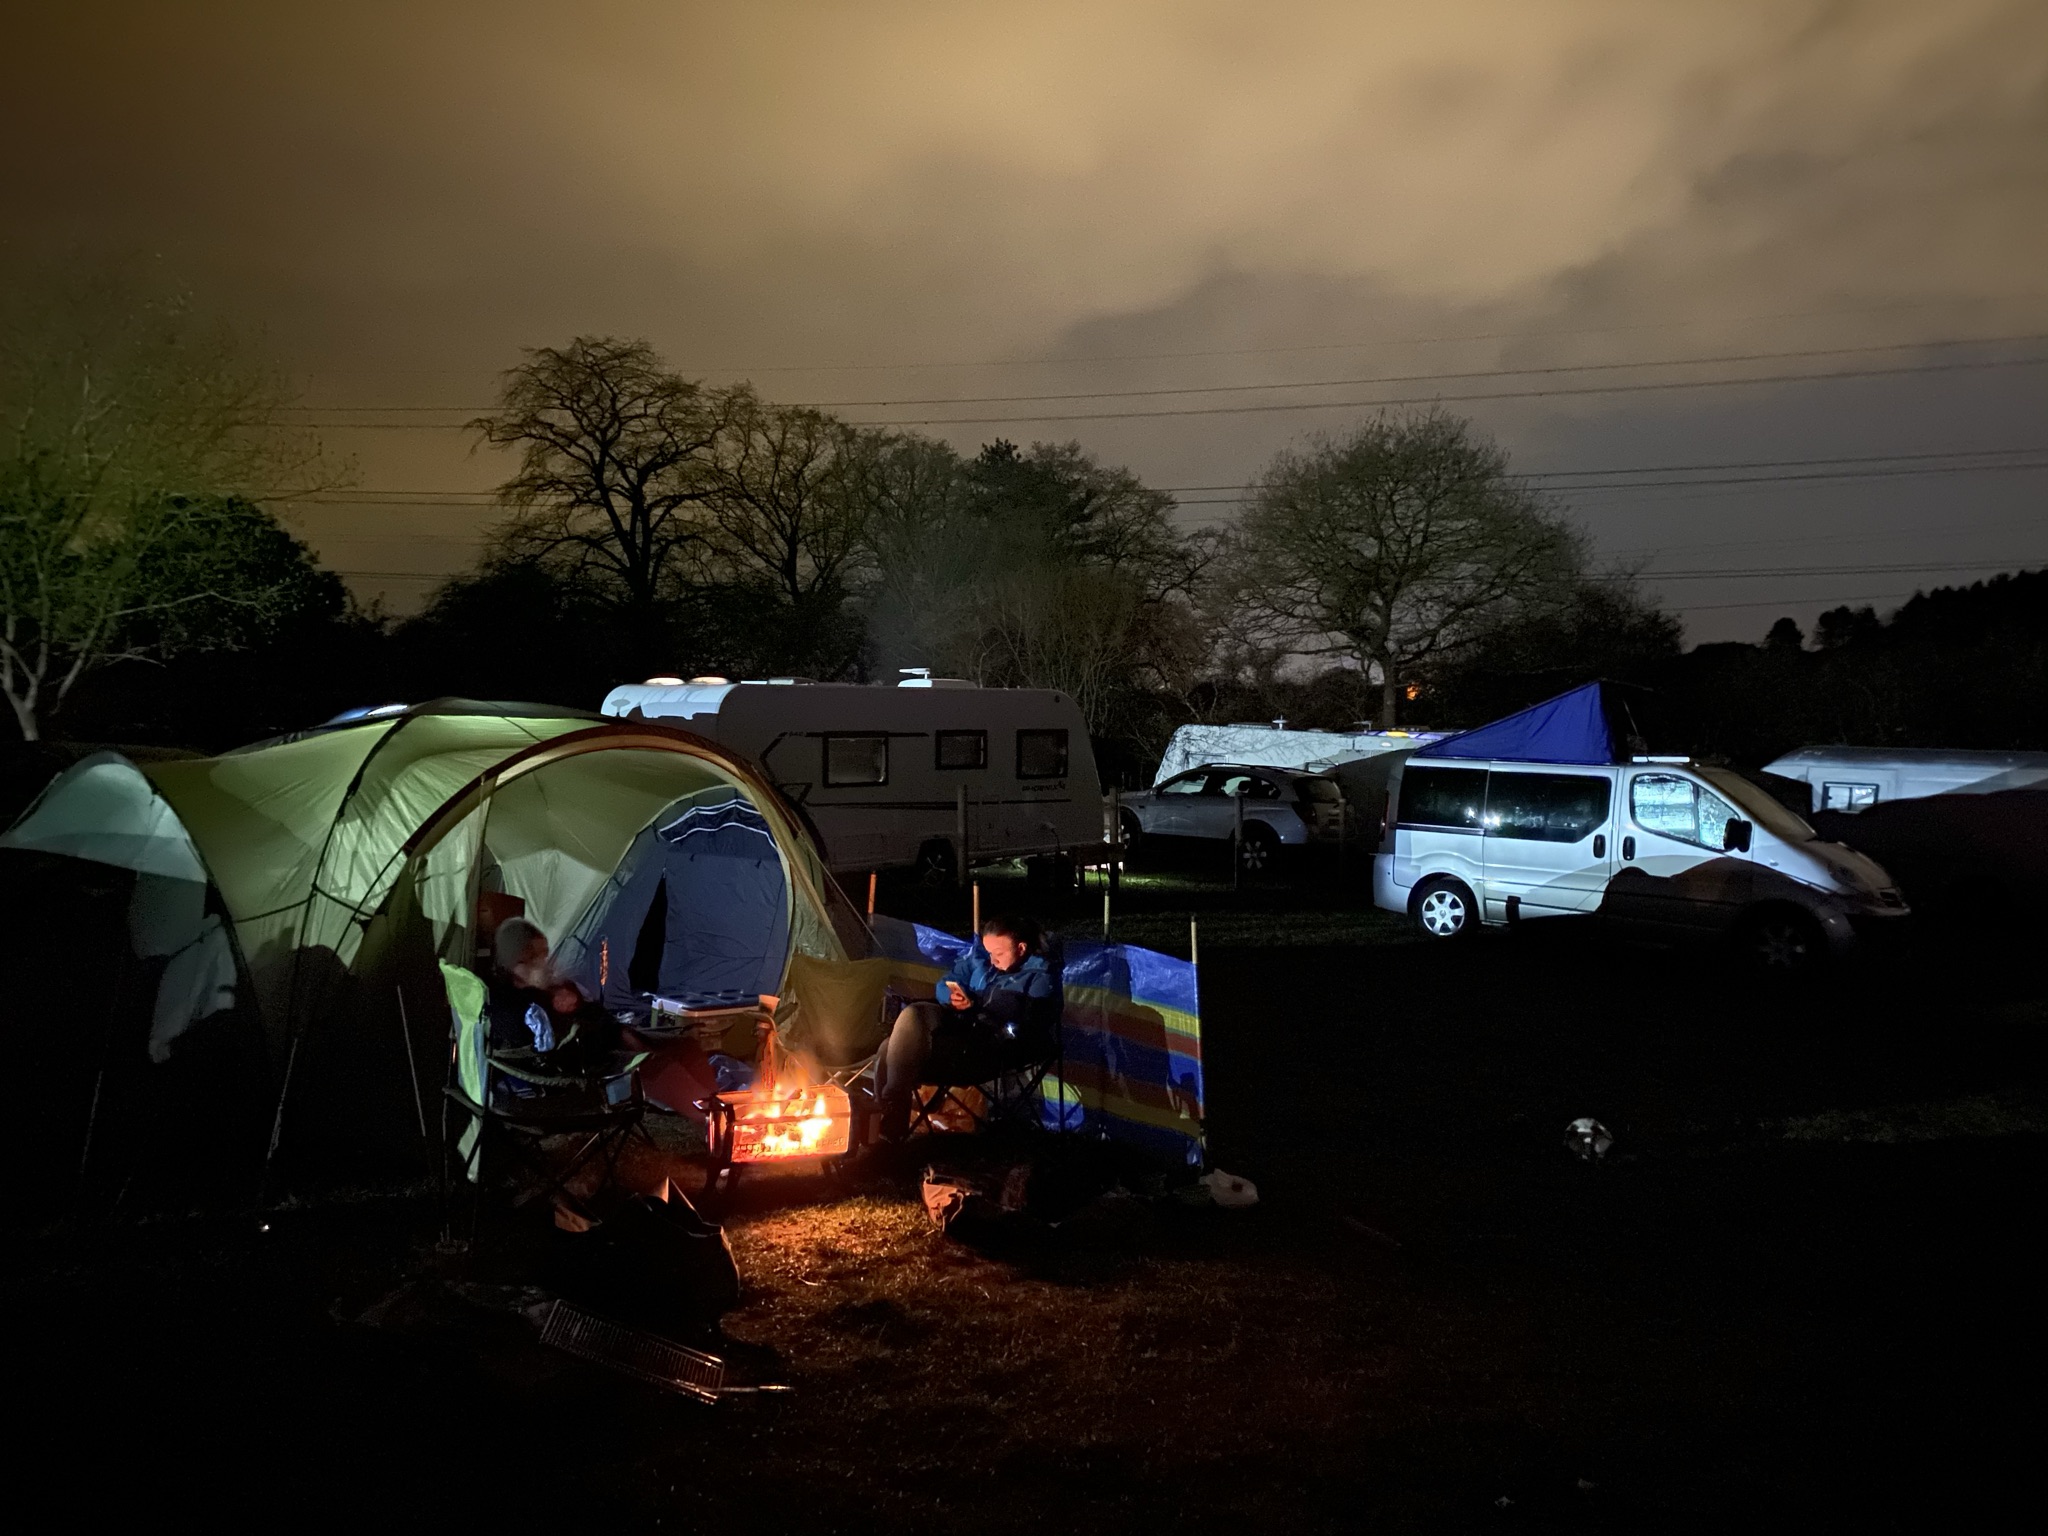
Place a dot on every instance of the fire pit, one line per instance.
(775, 1125)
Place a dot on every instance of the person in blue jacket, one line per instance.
(997, 1010)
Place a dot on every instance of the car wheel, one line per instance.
(1782, 941)
(1258, 851)
(1444, 909)
(935, 865)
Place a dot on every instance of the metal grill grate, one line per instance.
(633, 1353)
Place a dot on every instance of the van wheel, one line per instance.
(1258, 851)
(935, 865)
(1782, 941)
(1443, 909)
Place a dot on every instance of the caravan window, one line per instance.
(962, 749)
(1545, 807)
(1443, 797)
(856, 760)
(1041, 754)
(1847, 797)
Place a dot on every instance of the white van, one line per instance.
(1856, 778)
(1666, 846)
(934, 772)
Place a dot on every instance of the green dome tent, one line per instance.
(312, 882)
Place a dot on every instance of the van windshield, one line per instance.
(1758, 805)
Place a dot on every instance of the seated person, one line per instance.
(997, 1010)
(532, 1008)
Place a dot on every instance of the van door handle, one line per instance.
(1599, 845)
(1628, 847)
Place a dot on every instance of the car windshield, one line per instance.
(1759, 806)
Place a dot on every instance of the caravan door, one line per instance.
(1549, 839)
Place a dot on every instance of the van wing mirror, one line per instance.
(1735, 838)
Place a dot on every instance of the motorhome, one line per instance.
(1536, 816)
(1854, 779)
(934, 772)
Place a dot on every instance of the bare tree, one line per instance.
(136, 437)
(1395, 546)
(616, 457)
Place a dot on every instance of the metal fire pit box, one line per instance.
(752, 1126)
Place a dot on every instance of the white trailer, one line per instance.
(933, 772)
(1856, 778)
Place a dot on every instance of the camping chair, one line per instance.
(1011, 1097)
(602, 1111)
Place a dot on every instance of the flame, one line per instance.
(803, 1124)
(789, 1115)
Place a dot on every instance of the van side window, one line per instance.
(856, 760)
(1545, 807)
(961, 749)
(1443, 797)
(1675, 807)
(1041, 754)
(1847, 797)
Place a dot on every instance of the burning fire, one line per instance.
(809, 1122)
(789, 1116)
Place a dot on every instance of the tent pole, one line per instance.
(411, 1066)
(284, 1089)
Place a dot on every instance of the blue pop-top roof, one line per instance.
(1571, 728)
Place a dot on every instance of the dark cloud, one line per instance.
(404, 196)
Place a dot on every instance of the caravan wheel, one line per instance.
(935, 866)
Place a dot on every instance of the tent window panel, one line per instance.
(962, 749)
(856, 760)
(1041, 754)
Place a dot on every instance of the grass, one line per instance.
(1791, 1293)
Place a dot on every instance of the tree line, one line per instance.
(650, 523)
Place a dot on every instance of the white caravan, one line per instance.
(933, 772)
(1856, 778)
(1663, 845)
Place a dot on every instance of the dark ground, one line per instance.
(1801, 1290)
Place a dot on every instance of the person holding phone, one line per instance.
(996, 1010)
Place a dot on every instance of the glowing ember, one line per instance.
(774, 1124)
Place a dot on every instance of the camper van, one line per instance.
(934, 772)
(1536, 816)
(1856, 778)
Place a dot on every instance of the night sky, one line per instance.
(879, 206)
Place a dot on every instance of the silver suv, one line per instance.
(1282, 808)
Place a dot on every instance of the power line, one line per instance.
(1326, 346)
(1831, 570)
(1641, 387)
(427, 497)
(1709, 360)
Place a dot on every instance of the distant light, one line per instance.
(711, 680)
(664, 682)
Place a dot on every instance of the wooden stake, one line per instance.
(1194, 945)
(871, 893)
(977, 911)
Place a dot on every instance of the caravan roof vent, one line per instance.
(664, 682)
(921, 677)
(1679, 758)
(711, 680)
